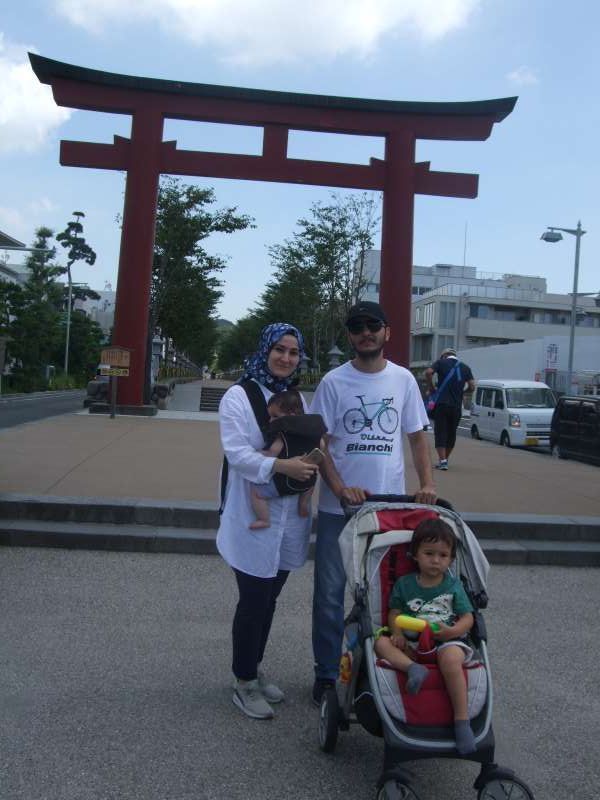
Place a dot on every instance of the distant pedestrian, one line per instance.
(452, 378)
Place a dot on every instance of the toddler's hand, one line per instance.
(445, 633)
(398, 640)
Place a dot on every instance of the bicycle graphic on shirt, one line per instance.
(357, 419)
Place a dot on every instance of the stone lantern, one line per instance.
(334, 357)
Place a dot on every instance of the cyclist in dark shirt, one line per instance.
(448, 406)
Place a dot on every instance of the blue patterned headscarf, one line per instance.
(256, 364)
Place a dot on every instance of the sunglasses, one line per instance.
(358, 325)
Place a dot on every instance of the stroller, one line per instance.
(374, 546)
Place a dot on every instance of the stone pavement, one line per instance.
(172, 461)
(116, 686)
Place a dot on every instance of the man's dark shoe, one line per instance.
(320, 686)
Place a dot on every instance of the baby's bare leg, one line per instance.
(260, 506)
(304, 502)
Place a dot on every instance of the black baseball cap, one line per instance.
(366, 308)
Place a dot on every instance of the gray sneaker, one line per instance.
(248, 697)
(270, 692)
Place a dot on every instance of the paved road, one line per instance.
(17, 409)
(116, 686)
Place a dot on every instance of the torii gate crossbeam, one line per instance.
(145, 156)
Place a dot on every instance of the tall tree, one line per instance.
(185, 287)
(34, 326)
(78, 250)
(318, 274)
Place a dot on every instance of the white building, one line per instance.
(454, 306)
(545, 359)
(13, 273)
(102, 310)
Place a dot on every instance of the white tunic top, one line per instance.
(283, 545)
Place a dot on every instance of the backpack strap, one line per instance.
(259, 407)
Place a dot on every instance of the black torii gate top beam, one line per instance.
(145, 156)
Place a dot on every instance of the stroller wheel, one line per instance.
(505, 789)
(396, 790)
(329, 711)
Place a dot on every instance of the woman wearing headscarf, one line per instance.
(261, 559)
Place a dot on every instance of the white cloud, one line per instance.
(28, 112)
(271, 31)
(523, 76)
(12, 222)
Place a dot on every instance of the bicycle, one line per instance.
(356, 420)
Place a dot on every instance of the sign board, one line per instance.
(115, 357)
(119, 372)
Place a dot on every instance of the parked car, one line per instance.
(513, 412)
(97, 388)
(575, 431)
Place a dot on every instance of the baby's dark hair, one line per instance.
(433, 530)
(289, 402)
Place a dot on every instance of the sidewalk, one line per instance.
(173, 461)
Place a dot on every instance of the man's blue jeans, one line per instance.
(328, 597)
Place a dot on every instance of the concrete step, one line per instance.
(164, 539)
(202, 515)
(210, 397)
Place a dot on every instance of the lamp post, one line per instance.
(554, 235)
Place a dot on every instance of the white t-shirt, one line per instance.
(366, 414)
(284, 544)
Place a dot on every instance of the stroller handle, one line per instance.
(350, 510)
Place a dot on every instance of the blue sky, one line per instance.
(540, 166)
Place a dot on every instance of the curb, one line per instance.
(151, 526)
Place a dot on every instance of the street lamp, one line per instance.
(554, 235)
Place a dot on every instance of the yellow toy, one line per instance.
(409, 623)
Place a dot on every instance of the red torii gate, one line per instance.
(145, 156)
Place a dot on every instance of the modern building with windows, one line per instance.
(456, 306)
(10, 272)
(466, 316)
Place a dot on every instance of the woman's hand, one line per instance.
(295, 468)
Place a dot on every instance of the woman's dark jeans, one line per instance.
(252, 620)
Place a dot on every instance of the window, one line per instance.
(480, 311)
(422, 348)
(486, 397)
(447, 315)
(444, 342)
(498, 400)
(429, 315)
(530, 398)
(570, 411)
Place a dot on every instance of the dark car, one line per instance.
(575, 429)
(97, 389)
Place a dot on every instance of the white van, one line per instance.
(512, 412)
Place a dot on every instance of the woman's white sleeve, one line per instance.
(235, 418)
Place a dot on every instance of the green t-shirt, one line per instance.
(442, 603)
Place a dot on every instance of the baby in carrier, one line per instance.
(290, 433)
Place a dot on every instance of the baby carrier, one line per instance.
(295, 442)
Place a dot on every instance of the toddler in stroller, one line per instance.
(378, 687)
(433, 595)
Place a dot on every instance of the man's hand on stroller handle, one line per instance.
(426, 494)
(352, 496)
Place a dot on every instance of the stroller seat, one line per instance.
(387, 560)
